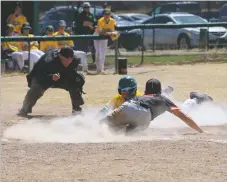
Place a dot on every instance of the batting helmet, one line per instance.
(127, 84)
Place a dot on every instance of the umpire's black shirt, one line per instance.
(48, 65)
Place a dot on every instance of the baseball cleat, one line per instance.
(200, 97)
(168, 90)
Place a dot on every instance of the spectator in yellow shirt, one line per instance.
(63, 43)
(106, 26)
(17, 19)
(46, 45)
(11, 48)
(35, 53)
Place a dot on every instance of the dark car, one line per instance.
(189, 7)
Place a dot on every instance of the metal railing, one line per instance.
(95, 37)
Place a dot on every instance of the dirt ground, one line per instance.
(194, 157)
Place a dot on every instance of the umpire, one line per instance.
(55, 69)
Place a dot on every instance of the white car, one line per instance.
(182, 38)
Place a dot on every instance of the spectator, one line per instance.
(11, 49)
(35, 53)
(85, 26)
(46, 45)
(106, 26)
(63, 43)
(17, 19)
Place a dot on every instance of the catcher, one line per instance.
(137, 113)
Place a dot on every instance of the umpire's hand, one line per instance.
(56, 77)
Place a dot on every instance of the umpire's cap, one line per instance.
(66, 52)
(153, 86)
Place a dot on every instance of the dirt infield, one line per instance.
(182, 155)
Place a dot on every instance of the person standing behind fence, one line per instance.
(17, 19)
(35, 53)
(106, 26)
(46, 45)
(63, 43)
(85, 26)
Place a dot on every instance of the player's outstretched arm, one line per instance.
(187, 120)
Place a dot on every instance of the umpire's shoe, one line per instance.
(77, 111)
(22, 113)
(200, 97)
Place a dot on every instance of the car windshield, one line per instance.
(189, 19)
(190, 8)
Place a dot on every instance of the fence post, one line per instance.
(142, 58)
(116, 55)
(207, 37)
(29, 53)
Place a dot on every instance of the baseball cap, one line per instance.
(62, 23)
(153, 86)
(49, 27)
(9, 26)
(67, 52)
(86, 5)
(106, 12)
(26, 25)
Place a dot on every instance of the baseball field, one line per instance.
(54, 146)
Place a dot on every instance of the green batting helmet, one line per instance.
(127, 83)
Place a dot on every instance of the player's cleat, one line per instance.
(200, 98)
(168, 90)
(22, 113)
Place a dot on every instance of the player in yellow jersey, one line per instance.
(106, 26)
(46, 45)
(35, 53)
(63, 43)
(12, 49)
(127, 88)
(17, 19)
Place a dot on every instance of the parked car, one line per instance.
(223, 13)
(180, 37)
(188, 7)
(133, 17)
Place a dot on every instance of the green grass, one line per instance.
(160, 59)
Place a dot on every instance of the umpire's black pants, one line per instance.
(73, 84)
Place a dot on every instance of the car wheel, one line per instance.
(184, 42)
